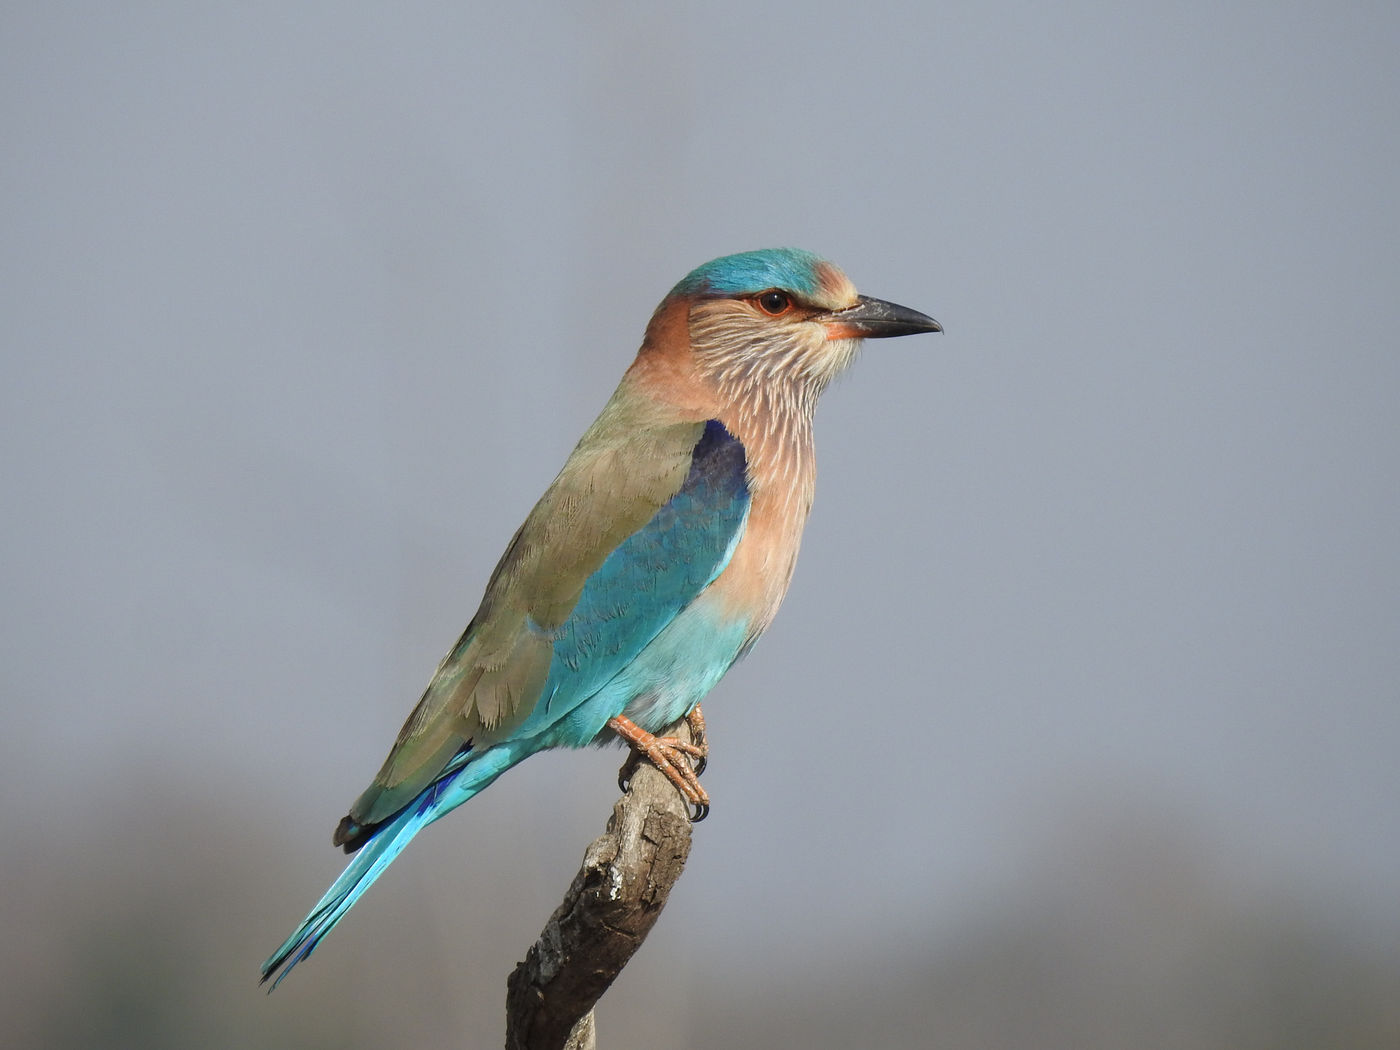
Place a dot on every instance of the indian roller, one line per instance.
(653, 562)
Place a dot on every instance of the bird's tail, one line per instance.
(378, 852)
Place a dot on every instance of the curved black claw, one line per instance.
(700, 764)
(625, 774)
(699, 811)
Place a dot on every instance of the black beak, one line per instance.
(877, 319)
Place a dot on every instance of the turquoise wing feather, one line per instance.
(650, 577)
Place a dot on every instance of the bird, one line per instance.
(653, 562)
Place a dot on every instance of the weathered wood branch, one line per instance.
(608, 911)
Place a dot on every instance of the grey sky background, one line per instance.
(303, 309)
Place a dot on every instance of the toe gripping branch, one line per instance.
(678, 761)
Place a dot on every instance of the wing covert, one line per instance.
(654, 573)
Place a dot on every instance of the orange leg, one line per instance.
(696, 721)
(671, 756)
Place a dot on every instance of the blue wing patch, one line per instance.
(651, 576)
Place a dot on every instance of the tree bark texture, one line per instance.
(609, 908)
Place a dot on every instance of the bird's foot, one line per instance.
(696, 721)
(671, 757)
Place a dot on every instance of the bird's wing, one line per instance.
(629, 533)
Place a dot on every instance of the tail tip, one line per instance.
(350, 835)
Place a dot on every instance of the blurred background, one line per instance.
(1085, 696)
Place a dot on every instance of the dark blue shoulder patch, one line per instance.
(718, 464)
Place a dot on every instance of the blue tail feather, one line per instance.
(379, 850)
(369, 863)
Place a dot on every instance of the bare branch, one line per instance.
(608, 911)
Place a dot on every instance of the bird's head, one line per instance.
(781, 323)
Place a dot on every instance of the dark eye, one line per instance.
(774, 302)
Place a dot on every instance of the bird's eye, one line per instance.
(774, 302)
